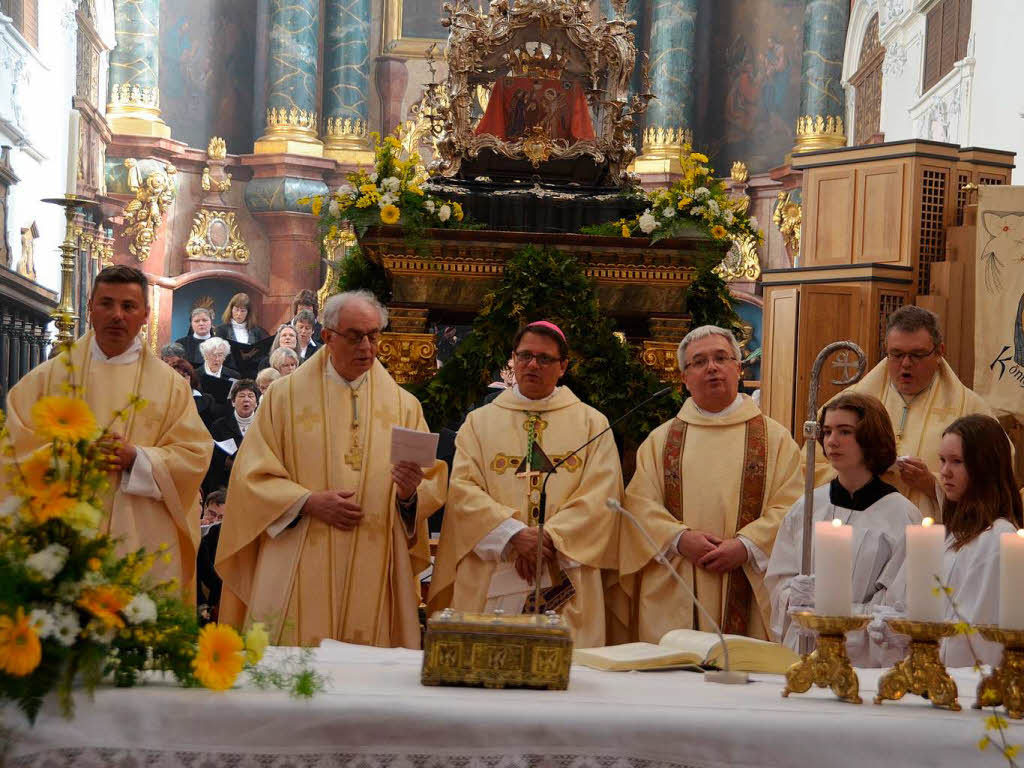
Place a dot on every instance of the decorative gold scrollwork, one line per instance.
(153, 197)
(215, 235)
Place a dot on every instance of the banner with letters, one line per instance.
(999, 299)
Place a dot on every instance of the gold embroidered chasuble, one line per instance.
(315, 581)
(918, 429)
(168, 428)
(647, 602)
(487, 489)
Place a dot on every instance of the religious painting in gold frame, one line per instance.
(407, 29)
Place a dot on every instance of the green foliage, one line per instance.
(295, 673)
(542, 283)
(708, 302)
(356, 272)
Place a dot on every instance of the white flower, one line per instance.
(429, 205)
(668, 212)
(729, 216)
(697, 210)
(713, 206)
(345, 190)
(701, 193)
(373, 177)
(141, 609)
(101, 633)
(647, 222)
(753, 223)
(48, 562)
(9, 506)
(445, 213)
(333, 208)
(67, 626)
(391, 184)
(43, 622)
(386, 199)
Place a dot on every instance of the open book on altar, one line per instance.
(685, 647)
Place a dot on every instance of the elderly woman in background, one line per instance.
(201, 330)
(215, 352)
(284, 360)
(265, 378)
(285, 337)
(240, 322)
(209, 410)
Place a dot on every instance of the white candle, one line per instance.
(1011, 579)
(833, 571)
(926, 545)
(72, 178)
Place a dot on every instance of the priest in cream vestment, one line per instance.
(322, 536)
(711, 488)
(923, 396)
(488, 541)
(161, 451)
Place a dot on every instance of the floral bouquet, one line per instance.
(697, 200)
(391, 194)
(71, 608)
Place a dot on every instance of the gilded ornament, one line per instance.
(410, 358)
(922, 671)
(142, 216)
(134, 95)
(740, 173)
(788, 217)
(827, 666)
(819, 132)
(742, 261)
(281, 120)
(660, 357)
(537, 146)
(1004, 685)
(215, 235)
(217, 149)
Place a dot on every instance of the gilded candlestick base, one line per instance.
(827, 666)
(922, 671)
(64, 316)
(1005, 684)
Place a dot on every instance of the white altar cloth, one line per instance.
(377, 715)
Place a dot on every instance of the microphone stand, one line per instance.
(810, 445)
(725, 676)
(542, 511)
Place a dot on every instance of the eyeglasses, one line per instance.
(525, 358)
(355, 338)
(915, 357)
(700, 363)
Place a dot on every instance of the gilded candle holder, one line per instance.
(1005, 684)
(827, 666)
(922, 671)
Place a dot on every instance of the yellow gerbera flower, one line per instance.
(52, 503)
(625, 231)
(699, 157)
(718, 231)
(105, 602)
(389, 214)
(457, 211)
(683, 202)
(219, 659)
(63, 418)
(36, 471)
(20, 650)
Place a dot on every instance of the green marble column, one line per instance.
(346, 79)
(133, 105)
(822, 101)
(291, 87)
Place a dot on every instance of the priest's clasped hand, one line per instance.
(729, 555)
(694, 544)
(335, 508)
(118, 452)
(524, 547)
(915, 473)
(407, 476)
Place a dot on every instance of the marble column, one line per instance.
(670, 116)
(347, 81)
(291, 84)
(133, 104)
(822, 100)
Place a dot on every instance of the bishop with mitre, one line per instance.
(711, 487)
(489, 539)
(159, 452)
(322, 536)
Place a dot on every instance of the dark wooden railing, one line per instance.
(24, 316)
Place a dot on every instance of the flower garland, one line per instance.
(70, 606)
(391, 194)
(698, 200)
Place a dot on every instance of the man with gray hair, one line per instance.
(323, 537)
(923, 396)
(711, 487)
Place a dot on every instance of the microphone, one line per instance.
(542, 511)
(725, 676)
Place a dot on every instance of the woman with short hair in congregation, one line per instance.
(856, 435)
(239, 321)
(981, 502)
(284, 360)
(265, 378)
(215, 351)
(201, 329)
(287, 338)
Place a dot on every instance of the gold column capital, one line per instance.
(291, 131)
(819, 132)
